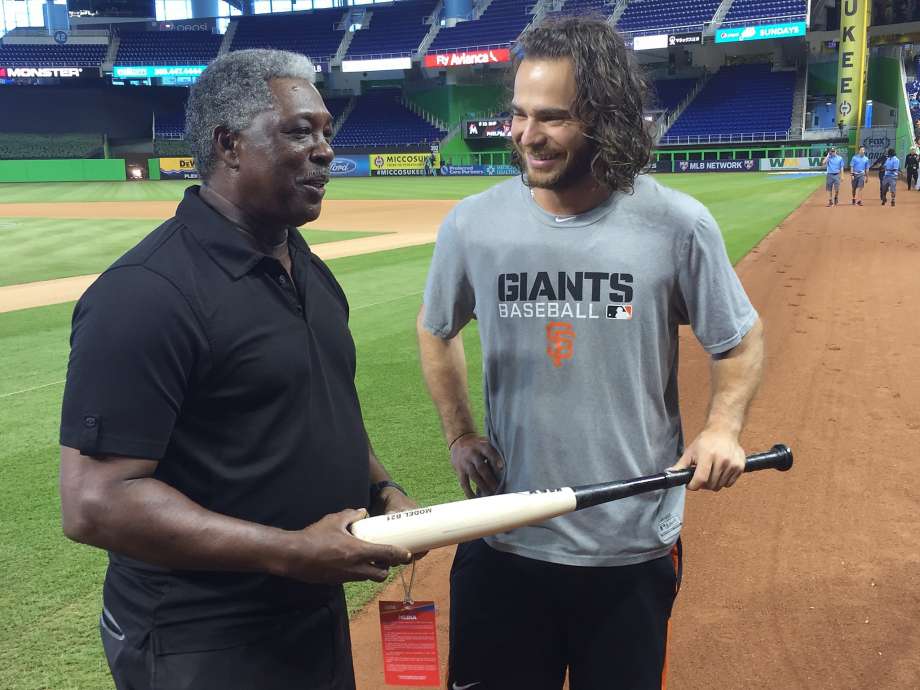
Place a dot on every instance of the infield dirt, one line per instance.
(807, 579)
(406, 224)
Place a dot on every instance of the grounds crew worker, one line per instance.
(212, 439)
(859, 166)
(578, 275)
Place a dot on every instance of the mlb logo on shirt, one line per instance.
(619, 311)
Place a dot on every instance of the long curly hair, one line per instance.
(610, 93)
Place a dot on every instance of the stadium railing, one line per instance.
(764, 20)
(468, 49)
(726, 138)
(681, 28)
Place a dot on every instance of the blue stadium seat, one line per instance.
(746, 11)
(379, 119)
(667, 94)
(583, 7)
(313, 33)
(499, 25)
(167, 48)
(393, 30)
(43, 55)
(749, 101)
(646, 15)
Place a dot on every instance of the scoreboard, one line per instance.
(487, 129)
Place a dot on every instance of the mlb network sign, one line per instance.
(468, 57)
(746, 165)
(759, 32)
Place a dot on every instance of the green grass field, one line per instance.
(50, 588)
(45, 248)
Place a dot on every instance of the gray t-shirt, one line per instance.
(578, 320)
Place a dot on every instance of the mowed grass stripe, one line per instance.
(46, 248)
(172, 190)
(50, 588)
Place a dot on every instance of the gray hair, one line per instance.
(231, 92)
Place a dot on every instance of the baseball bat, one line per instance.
(423, 529)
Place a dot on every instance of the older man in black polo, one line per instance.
(212, 438)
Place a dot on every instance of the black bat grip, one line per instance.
(779, 457)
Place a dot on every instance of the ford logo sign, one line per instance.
(340, 166)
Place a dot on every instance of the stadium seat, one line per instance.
(314, 34)
(167, 48)
(499, 25)
(380, 119)
(747, 11)
(657, 15)
(668, 93)
(750, 101)
(43, 55)
(393, 30)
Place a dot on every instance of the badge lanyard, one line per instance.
(408, 632)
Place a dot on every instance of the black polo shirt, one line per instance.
(195, 350)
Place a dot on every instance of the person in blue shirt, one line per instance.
(890, 179)
(834, 164)
(859, 166)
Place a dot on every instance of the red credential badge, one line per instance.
(410, 644)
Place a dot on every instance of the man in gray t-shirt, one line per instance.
(579, 276)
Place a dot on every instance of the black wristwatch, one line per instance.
(380, 486)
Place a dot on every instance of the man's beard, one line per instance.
(571, 174)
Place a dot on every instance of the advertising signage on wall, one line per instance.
(403, 164)
(46, 76)
(467, 57)
(759, 32)
(808, 163)
(666, 40)
(376, 65)
(178, 169)
(350, 166)
(487, 129)
(746, 165)
(121, 72)
(41, 72)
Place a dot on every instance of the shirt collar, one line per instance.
(221, 238)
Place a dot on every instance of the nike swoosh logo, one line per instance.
(559, 220)
(455, 686)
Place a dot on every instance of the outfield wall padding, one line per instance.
(62, 170)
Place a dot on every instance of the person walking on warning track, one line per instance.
(911, 164)
(859, 165)
(580, 258)
(833, 163)
(891, 169)
(212, 438)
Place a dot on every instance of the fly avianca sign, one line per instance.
(468, 57)
(41, 72)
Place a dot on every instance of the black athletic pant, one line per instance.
(308, 652)
(518, 623)
(911, 178)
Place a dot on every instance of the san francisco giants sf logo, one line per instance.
(560, 341)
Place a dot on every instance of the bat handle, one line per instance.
(779, 457)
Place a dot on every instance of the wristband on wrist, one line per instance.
(465, 433)
(375, 489)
